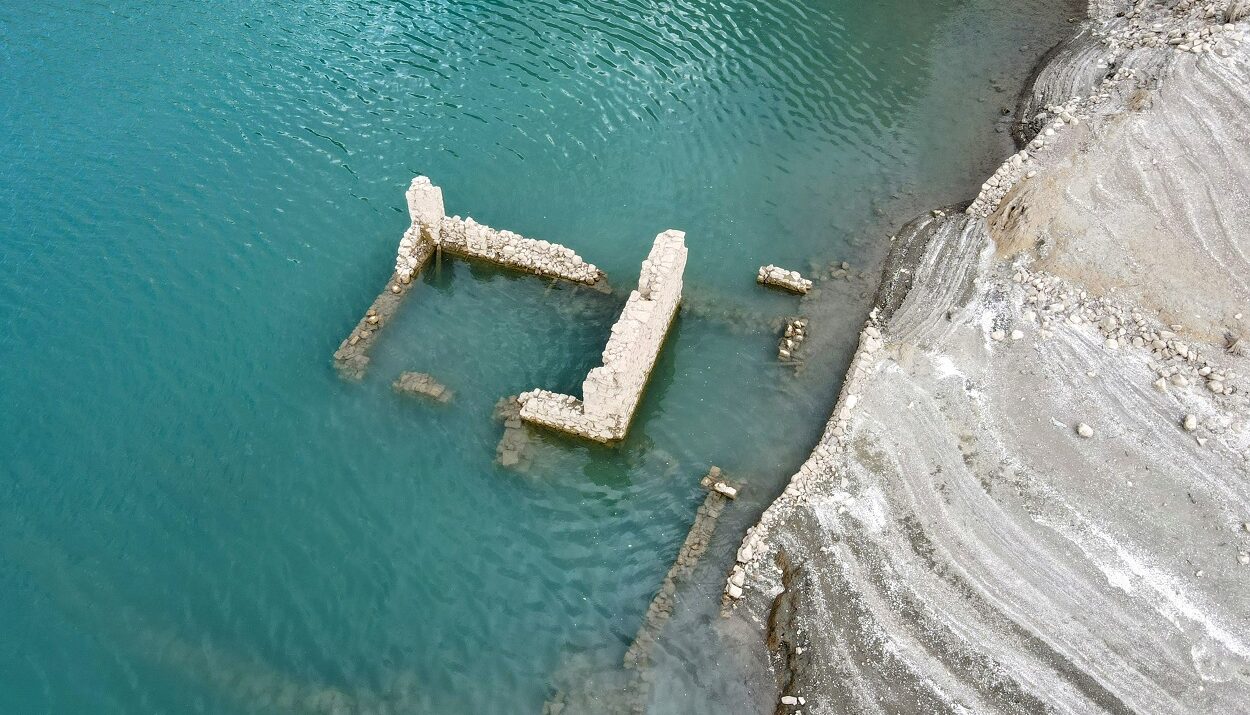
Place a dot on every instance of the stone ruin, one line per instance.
(611, 392)
(780, 277)
(433, 231)
(423, 385)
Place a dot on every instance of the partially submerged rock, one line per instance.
(780, 277)
(792, 338)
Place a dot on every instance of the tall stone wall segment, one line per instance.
(425, 208)
(612, 391)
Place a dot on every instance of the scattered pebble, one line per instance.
(1084, 430)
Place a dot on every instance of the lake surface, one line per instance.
(197, 202)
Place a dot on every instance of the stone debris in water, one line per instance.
(792, 338)
(713, 481)
(780, 277)
(432, 230)
(420, 383)
(611, 392)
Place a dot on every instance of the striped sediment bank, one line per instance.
(612, 391)
(433, 231)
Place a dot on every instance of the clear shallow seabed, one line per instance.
(198, 200)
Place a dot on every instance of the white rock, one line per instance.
(1084, 430)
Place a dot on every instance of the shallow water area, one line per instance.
(198, 201)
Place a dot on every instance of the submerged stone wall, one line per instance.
(432, 228)
(425, 207)
(719, 494)
(612, 391)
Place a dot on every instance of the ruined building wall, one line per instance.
(612, 391)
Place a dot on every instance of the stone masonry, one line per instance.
(780, 277)
(611, 392)
(431, 229)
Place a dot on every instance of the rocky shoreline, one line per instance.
(1032, 493)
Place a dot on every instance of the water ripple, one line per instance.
(197, 200)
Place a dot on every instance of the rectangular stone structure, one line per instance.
(612, 391)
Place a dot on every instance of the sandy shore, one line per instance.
(1034, 492)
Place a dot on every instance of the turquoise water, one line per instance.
(198, 200)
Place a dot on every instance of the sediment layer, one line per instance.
(1033, 492)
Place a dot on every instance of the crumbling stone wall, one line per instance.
(612, 391)
(432, 228)
(471, 239)
(425, 208)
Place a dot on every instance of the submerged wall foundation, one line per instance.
(611, 392)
